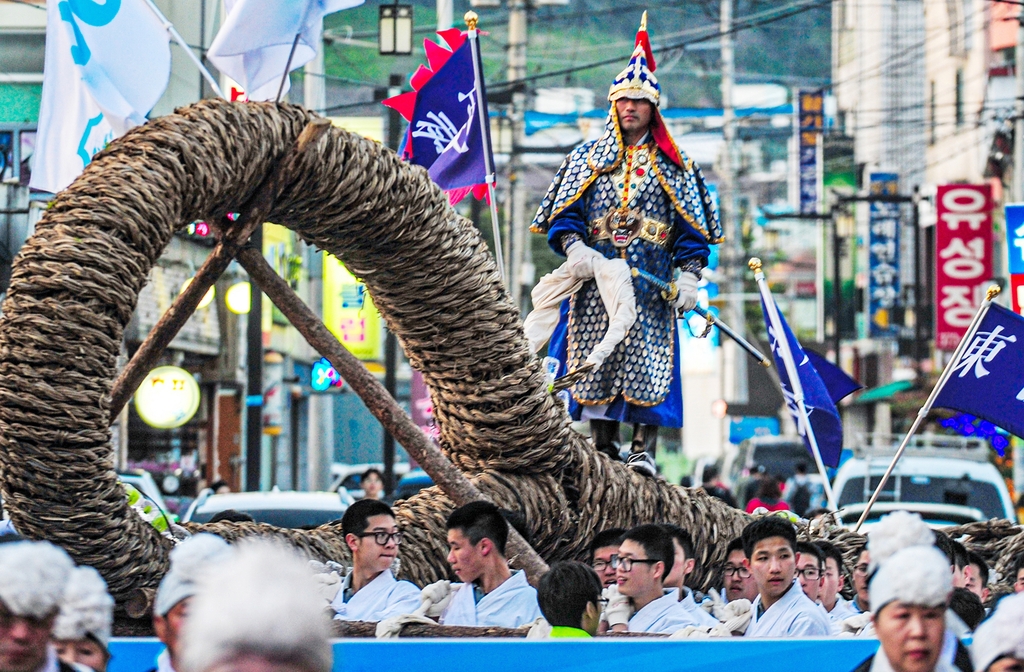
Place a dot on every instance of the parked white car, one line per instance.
(934, 470)
(281, 508)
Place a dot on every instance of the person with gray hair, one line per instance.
(259, 611)
(189, 561)
(82, 631)
(33, 575)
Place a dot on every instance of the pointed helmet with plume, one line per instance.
(637, 81)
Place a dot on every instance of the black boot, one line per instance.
(605, 435)
(642, 449)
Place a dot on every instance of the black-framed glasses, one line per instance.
(383, 538)
(627, 563)
(601, 565)
(809, 573)
(736, 570)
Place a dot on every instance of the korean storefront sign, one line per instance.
(811, 123)
(963, 264)
(1015, 251)
(349, 312)
(883, 256)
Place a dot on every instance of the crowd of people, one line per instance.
(920, 593)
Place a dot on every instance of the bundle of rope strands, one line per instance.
(75, 285)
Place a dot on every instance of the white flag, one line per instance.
(253, 43)
(106, 67)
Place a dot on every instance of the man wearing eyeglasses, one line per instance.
(737, 582)
(809, 570)
(861, 599)
(370, 592)
(32, 580)
(831, 601)
(645, 558)
(781, 608)
(603, 550)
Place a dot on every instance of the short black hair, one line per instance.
(231, 516)
(953, 550)
(610, 537)
(1016, 566)
(564, 592)
(710, 472)
(371, 470)
(735, 545)
(655, 542)
(967, 606)
(357, 516)
(218, 484)
(829, 550)
(766, 528)
(682, 536)
(806, 547)
(480, 520)
(975, 559)
(800, 468)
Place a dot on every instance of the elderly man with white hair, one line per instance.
(999, 640)
(82, 631)
(33, 575)
(259, 611)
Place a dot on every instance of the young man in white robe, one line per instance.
(737, 583)
(370, 592)
(837, 608)
(645, 558)
(781, 609)
(683, 564)
(490, 594)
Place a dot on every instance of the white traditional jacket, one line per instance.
(384, 597)
(665, 614)
(699, 614)
(794, 615)
(842, 610)
(510, 605)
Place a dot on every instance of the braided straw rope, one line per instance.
(75, 285)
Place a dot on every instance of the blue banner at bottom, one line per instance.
(445, 655)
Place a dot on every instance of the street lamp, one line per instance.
(395, 29)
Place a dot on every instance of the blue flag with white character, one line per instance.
(821, 409)
(987, 380)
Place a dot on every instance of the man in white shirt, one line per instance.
(781, 609)
(603, 550)
(491, 594)
(831, 601)
(737, 583)
(370, 592)
(683, 563)
(809, 571)
(645, 558)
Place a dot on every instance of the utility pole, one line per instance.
(517, 27)
(734, 265)
(254, 384)
(390, 340)
(1017, 189)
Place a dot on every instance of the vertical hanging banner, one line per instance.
(1015, 250)
(811, 122)
(883, 256)
(963, 264)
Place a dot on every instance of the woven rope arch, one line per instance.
(75, 285)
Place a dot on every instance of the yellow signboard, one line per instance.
(349, 312)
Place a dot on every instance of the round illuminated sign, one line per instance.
(167, 398)
(238, 298)
(207, 298)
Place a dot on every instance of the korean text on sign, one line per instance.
(884, 256)
(963, 264)
(1015, 251)
(811, 122)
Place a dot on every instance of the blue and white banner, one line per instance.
(106, 67)
(883, 257)
(987, 380)
(255, 40)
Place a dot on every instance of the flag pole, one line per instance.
(169, 27)
(794, 376)
(471, 19)
(990, 294)
(291, 54)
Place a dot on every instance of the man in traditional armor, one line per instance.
(630, 194)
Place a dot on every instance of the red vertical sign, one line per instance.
(963, 264)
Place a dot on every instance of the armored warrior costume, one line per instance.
(648, 204)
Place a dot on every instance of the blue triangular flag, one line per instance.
(987, 380)
(821, 409)
(837, 382)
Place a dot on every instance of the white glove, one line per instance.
(687, 286)
(391, 628)
(619, 609)
(581, 260)
(328, 584)
(434, 599)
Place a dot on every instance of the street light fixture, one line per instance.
(395, 29)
